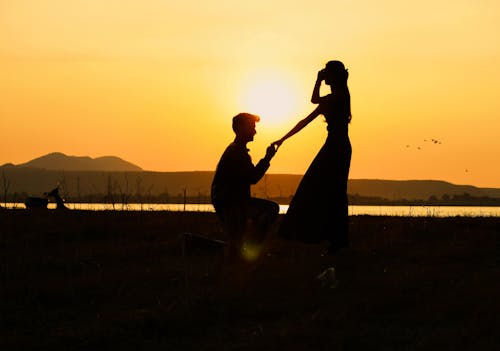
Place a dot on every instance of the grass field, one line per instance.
(84, 280)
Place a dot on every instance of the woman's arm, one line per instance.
(298, 127)
(315, 98)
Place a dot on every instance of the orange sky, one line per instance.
(156, 82)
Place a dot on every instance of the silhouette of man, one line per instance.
(243, 217)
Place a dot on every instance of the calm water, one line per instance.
(407, 211)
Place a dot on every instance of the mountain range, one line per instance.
(85, 176)
(58, 161)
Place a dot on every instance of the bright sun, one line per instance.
(272, 97)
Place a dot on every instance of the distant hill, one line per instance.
(24, 180)
(285, 184)
(60, 162)
(415, 189)
(83, 176)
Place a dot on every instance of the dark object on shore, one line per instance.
(42, 202)
(36, 202)
(194, 243)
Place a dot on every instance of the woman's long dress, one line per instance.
(319, 209)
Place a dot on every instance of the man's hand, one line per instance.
(270, 152)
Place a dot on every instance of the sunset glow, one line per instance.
(272, 98)
(139, 79)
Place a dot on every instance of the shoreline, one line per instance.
(354, 210)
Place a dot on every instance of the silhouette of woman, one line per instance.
(318, 210)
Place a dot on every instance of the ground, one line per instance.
(85, 280)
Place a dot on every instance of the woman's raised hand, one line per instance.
(321, 75)
(277, 143)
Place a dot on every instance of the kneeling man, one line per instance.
(244, 218)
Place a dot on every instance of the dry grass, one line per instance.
(118, 280)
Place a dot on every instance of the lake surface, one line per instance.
(354, 210)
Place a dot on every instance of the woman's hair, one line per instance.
(337, 71)
(339, 74)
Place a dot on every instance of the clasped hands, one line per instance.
(272, 149)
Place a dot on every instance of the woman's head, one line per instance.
(336, 74)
